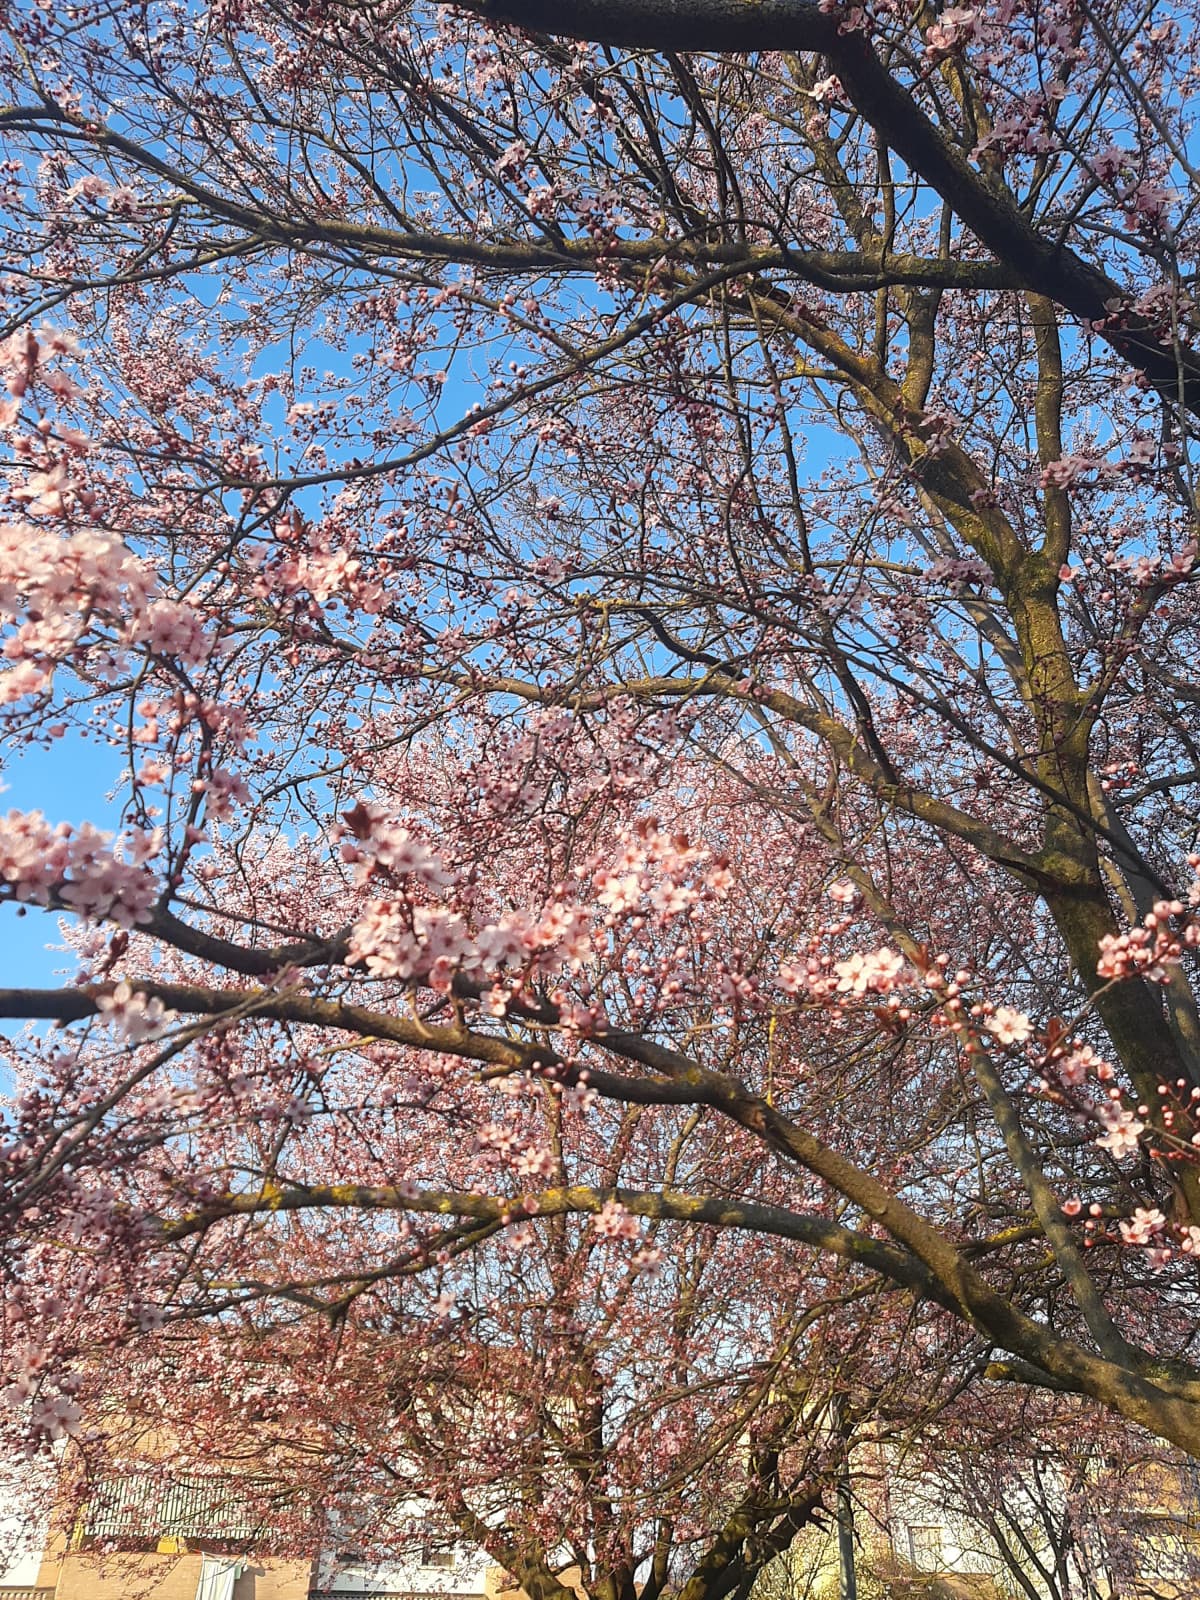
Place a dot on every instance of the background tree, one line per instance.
(1092, 1511)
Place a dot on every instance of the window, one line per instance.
(925, 1548)
(436, 1555)
(427, 1541)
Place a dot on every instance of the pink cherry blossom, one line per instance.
(1122, 1131)
(1144, 1225)
(612, 1221)
(1009, 1026)
(133, 1015)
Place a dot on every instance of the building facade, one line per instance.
(1023, 1533)
(182, 1539)
(175, 1536)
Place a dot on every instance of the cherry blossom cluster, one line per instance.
(375, 845)
(1070, 1065)
(614, 1224)
(1008, 1026)
(314, 560)
(1145, 951)
(1122, 1129)
(49, 864)
(826, 977)
(1075, 1076)
(29, 358)
(656, 872)
(613, 1221)
(1142, 570)
(46, 1398)
(954, 28)
(60, 585)
(135, 1016)
(56, 588)
(397, 939)
(653, 875)
(871, 972)
(1148, 1230)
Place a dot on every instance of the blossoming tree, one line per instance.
(638, 563)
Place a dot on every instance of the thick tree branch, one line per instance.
(578, 1200)
(1046, 265)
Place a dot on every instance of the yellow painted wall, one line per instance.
(85, 1575)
